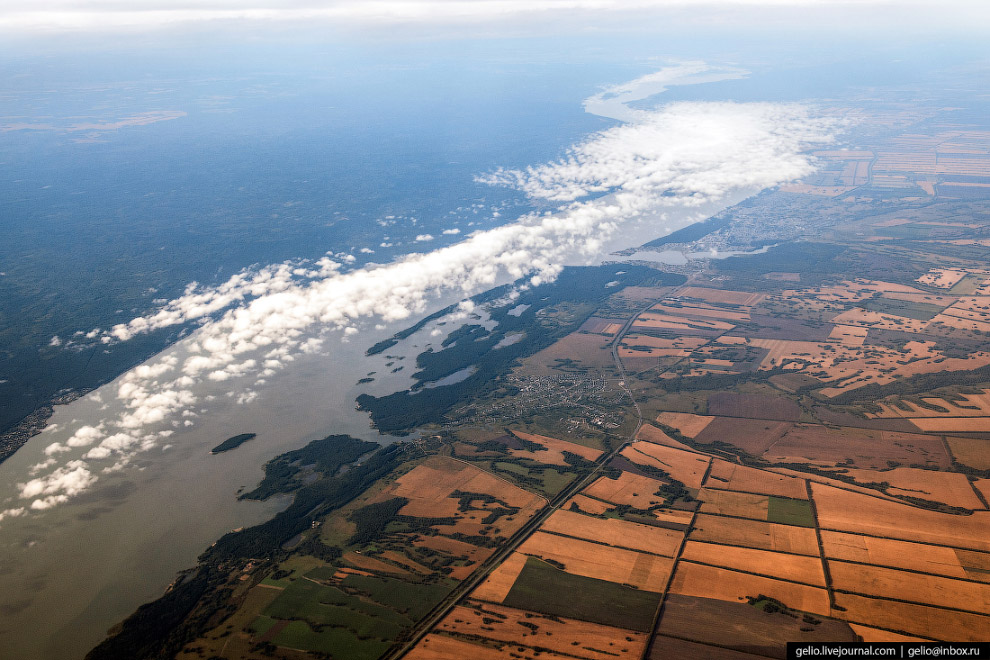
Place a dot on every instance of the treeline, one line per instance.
(233, 442)
(483, 297)
(325, 456)
(371, 520)
(542, 323)
(159, 629)
(917, 384)
(311, 501)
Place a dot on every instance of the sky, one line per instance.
(109, 16)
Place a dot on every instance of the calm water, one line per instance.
(75, 570)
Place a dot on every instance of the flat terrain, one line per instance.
(792, 445)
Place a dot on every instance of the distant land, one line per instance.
(707, 460)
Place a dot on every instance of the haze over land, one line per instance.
(212, 212)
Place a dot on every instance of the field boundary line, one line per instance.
(762, 575)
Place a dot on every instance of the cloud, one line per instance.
(451, 232)
(682, 155)
(424, 237)
(58, 486)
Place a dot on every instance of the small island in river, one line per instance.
(232, 443)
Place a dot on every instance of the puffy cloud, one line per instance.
(422, 238)
(451, 232)
(12, 513)
(85, 435)
(58, 486)
(256, 322)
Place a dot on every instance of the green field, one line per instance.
(413, 600)
(790, 512)
(911, 310)
(542, 588)
(338, 642)
(327, 606)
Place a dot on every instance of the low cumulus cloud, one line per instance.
(254, 324)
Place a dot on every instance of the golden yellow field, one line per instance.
(499, 582)
(853, 512)
(755, 534)
(868, 634)
(687, 467)
(635, 490)
(647, 572)
(556, 634)
(969, 405)
(676, 516)
(983, 485)
(438, 477)
(942, 278)
(554, 452)
(445, 647)
(850, 335)
(797, 568)
(722, 584)
(650, 433)
(474, 554)
(654, 320)
(689, 425)
(588, 504)
(951, 488)
(615, 532)
(952, 424)
(730, 476)
(930, 622)
(921, 557)
(907, 586)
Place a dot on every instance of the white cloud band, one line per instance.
(684, 154)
